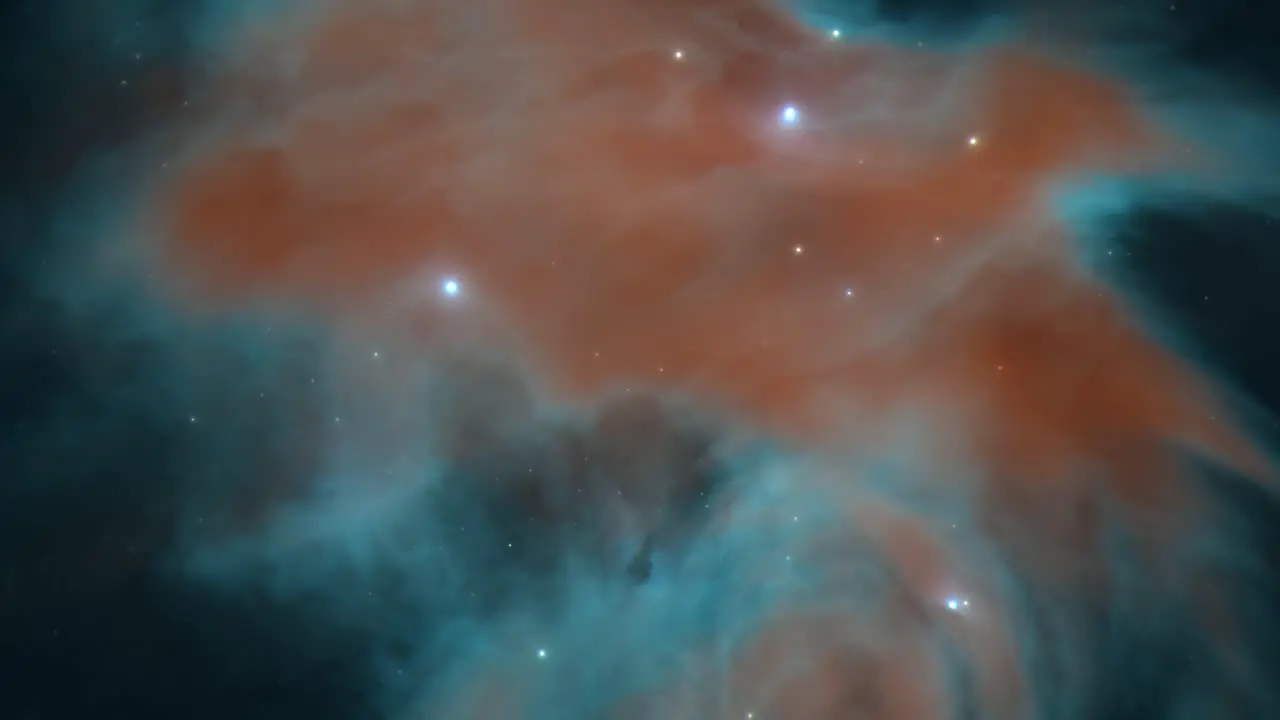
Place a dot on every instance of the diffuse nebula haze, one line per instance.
(773, 381)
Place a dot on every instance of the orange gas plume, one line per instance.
(829, 239)
(624, 189)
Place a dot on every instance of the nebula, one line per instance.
(693, 359)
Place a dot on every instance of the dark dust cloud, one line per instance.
(418, 359)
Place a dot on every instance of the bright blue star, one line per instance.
(789, 116)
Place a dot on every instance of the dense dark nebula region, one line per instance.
(615, 359)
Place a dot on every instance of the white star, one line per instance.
(789, 116)
(450, 287)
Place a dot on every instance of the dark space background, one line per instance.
(90, 488)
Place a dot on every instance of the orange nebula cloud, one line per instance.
(615, 190)
(634, 216)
